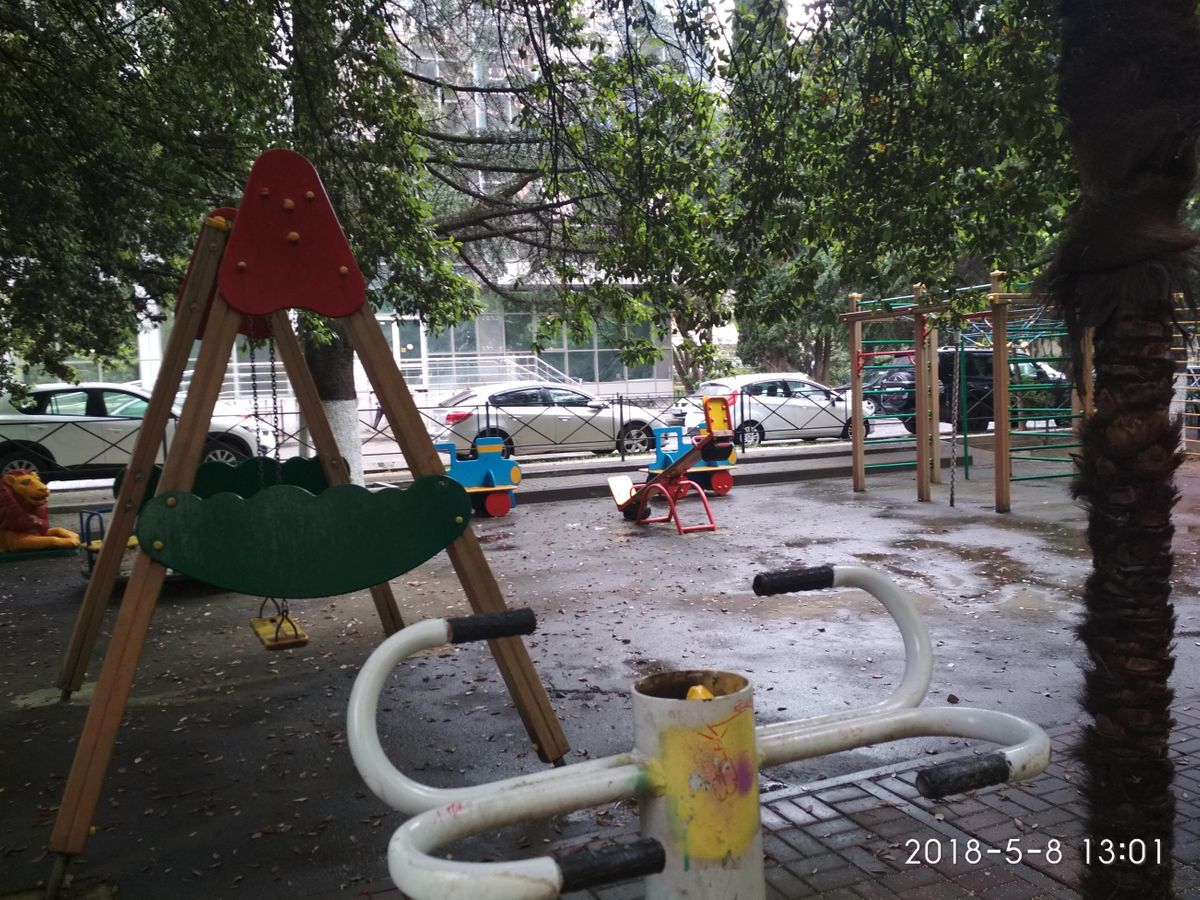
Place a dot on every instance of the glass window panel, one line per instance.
(523, 397)
(639, 330)
(439, 342)
(609, 333)
(410, 338)
(464, 338)
(553, 359)
(586, 343)
(643, 371)
(67, 403)
(582, 364)
(518, 332)
(610, 365)
(565, 397)
(119, 403)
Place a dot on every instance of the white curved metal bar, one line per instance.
(918, 654)
(426, 877)
(390, 785)
(1026, 747)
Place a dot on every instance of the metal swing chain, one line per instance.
(283, 615)
(276, 416)
(254, 393)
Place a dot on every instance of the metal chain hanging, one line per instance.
(261, 449)
(276, 415)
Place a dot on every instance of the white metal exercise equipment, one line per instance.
(693, 768)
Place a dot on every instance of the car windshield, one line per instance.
(713, 389)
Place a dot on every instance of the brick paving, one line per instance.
(871, 836)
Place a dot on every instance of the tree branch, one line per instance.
(495, 137)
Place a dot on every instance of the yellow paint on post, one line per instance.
(710, 780)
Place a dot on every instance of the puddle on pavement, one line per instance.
(1027, 600)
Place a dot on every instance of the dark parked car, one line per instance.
(1033, 384)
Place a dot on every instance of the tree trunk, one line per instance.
(313, 77)
(1130, 85)
(332, 367)
(1130, 452)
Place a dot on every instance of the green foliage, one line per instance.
(905, 139)
(893, 143)
(653, 211)
(165, 106)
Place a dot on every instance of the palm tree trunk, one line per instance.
(1130, 86)
(1126, 480)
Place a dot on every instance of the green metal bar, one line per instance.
(1058, 459)
(880, 441)
(1041, 477)
(895, 465)
(962, 413)
(1051, 447)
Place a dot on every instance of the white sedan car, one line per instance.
(777, 406)
(84, 430)
(542, 417)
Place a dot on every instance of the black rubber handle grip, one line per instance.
(486, 626)
(645, 856)
(962, 775)
(787, 581)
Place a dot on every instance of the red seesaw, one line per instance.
(672, 483)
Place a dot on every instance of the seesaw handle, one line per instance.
(487, 626)
(787, 581)
(959, 776)
(644, 856)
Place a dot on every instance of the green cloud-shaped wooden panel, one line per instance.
(286, 542)
(246, 478)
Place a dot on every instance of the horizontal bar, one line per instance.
(895, 465)
(1049, 447)
(1041, 477)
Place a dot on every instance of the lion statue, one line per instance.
(24, 519)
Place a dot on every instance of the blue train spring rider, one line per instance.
(490, 479)
(714, 475)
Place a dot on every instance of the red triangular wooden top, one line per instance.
(287, 249)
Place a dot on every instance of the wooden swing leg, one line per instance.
(327, 449)
(466, 555)
(194, 299)
(99, 733)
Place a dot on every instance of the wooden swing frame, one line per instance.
(203, 310)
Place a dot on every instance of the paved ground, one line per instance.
(231, 777)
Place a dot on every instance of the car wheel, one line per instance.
(750, 434)
(635, 437)
(910, 423)
(30, 459)
(846, 430)
(508, 450)
(225, 451)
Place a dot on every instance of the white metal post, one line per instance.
(702, 761)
